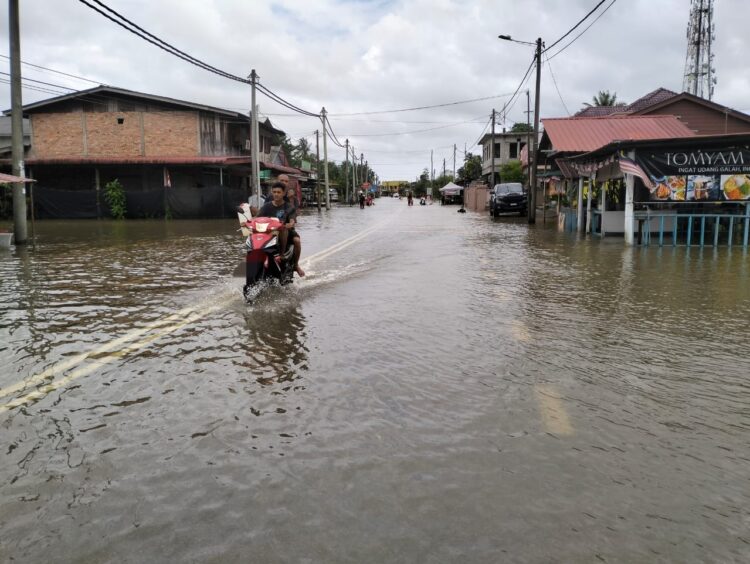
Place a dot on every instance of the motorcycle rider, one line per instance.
(284, 212)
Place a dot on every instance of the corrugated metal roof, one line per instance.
(582, 134)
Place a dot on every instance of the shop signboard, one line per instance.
(695, 174)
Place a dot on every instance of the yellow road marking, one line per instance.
(554, 416)
(94, 363)
(164, 326)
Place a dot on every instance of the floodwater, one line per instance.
(442, 387)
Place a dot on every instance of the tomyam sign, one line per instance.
(697, 175)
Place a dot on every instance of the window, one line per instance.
(513, 151)
(497, 150)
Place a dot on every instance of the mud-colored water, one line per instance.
(445, 388)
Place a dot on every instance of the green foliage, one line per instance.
(521, 127)
(114, 195)
(511, 172)
(604, 98)
(472, 169)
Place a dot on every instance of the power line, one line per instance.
(572, 29)
(394, 133)
(54, 71)
(135, 29)
(582, 32)
(554, 81)
(422, 107)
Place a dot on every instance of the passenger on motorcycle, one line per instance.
(290, 197)
(286, 213)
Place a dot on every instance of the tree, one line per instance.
(472, 169)
(604, 98)
(302, 149)
(511, 172)
(521, 127)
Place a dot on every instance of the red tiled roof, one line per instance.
(584, 134)
(599, 111)
(652, 98)
(656, 97)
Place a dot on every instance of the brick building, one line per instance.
(161, 150)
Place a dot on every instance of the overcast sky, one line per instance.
(363, 56)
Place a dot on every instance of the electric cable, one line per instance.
(554, 81)
(422, 107)
(582, 32)
(572, 29)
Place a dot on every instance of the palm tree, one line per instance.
(604, 98)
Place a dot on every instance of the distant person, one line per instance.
(409, 199)
(361, 200)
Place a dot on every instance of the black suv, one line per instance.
(508, 197)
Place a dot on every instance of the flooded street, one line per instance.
(442, 387)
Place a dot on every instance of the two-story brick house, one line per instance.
(159, 148)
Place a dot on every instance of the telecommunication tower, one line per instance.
(700, 75)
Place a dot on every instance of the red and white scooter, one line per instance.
(264, 261)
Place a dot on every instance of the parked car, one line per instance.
(333, 195)
(508, 197)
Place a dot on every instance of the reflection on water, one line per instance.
(449, 388)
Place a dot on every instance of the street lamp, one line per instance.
(532, 175)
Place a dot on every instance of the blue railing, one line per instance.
(693, 229)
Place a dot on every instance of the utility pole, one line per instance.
(317, 167)
(492, 153)
(354, 177)
(535, 140)
(19, 190)
(454, 162)
(346, 172)
(528, 136)
(432, 172)
(254, 139)
(363, 172)
(325, 157)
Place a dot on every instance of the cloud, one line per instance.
(359, 56)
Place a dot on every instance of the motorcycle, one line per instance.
(264, 261)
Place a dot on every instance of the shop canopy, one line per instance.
(451, 189)
(10, 179)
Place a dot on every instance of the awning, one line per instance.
(10, 179)
(281, 168)
(450, 189)
(228, 161)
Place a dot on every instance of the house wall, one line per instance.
(702, 120)
(99, 134)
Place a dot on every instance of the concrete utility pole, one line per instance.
(346, 172)
(325, 157)
(492, 153)
(432, 172)
(454, 162)
(354, 177)
(363, 172)
(535, 140)
(254, 138)
(317, 168)
(19, 190)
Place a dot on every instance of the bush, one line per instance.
(114, 195)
